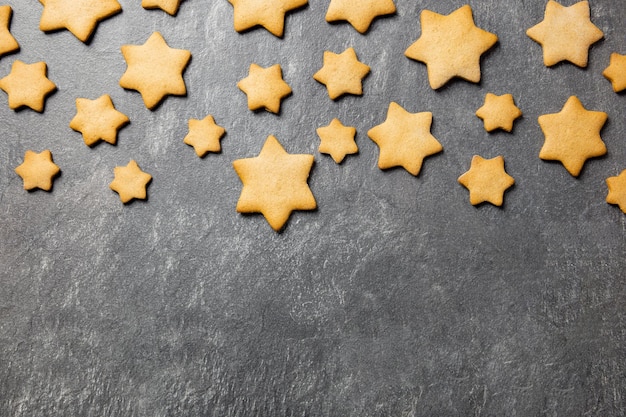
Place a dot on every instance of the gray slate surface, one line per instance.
(395, 298)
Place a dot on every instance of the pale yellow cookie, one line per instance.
(359, 13)
(486, 180)
(617, 190)
(566, 33)
(168, 6)
(38, 170)
(342, 73)
(265, 88)
(498, 112)
(616, 72)
(8, 43)
(451, 46)
(275, 183)
(27, 85)
(130, 182)
(155, 70)
(98, 120)
(269, 14)
(572, 135)
(337, 140)
(204, 135)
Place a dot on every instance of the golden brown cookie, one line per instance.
(404, 139)
(269, 14)
(359, 13)
(27, 85)
(617, 190)
(7, 41)
(498, 112)
(342, 73)
(451, 46)
(275, 183)
(98, 120)
(38, 170)
(337, 140)
(204, 135)
(616, 72)
(130, 182)
(566, 33)
(155, 70)
(265, 88)
(168, 6)
(486, 180)
(572, 135)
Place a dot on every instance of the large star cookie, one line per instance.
(498, 112)
(265, 88)
(98, 120)
(404, 139)
(155, 70)
(7, 41)
(267, 13)
(275, 183)
(566, 33)
(78, 16)
(38, 170)
(342, 73)
(451, 46)
(617, 190)
(572, 136)
(337, 140)
(486, 180)
(27, 85)
(359, 14)
(168, 6)
(616, 72)
(204, 135)
(130, 182)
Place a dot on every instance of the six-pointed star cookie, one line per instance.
(498, 112)
(155, 70)
(168, 6)
(617, 190)
(38, 170)
(7, 41)
(130, 182)
(572, 135)
(404, 139)
(359, 14)
(27, 85)
(204, 135)
(265, 88)
(486, 180)
(451, 46)
(78, 16)
(275, 183)
(566, 33)
(98, 120)
(267, 13)
(342, 73)
(616, 72)
(337, 140)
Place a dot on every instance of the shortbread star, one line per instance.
(451, 46)
(168, 6)
(130, 182)
(572, 135)
(566, 33)
(7, 41)
(78, 16)
(616, 72)
(204, 135)
(498, 112)
(27, 85)
(337, 140)
(155, 70)
(359, 14)
(617, 190)
(486, 180)
(342, 73)
(267, 13)
(98, 120)
(265, 88)
(275, 183)
(404, 139)
(38, 170)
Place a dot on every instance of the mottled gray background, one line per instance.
(395, 298)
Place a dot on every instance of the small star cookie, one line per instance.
(78, 16)
(616, 72)
(617, 190)
(359, 14)
(269, 14)
(498, 112)
(275, 183)
(27, 85)
(337, 140)
(573, 135)
(130, 182)
(451, 46)
(404, 139)
(98, 120)
(204, 135)
(342, 73)
(486, 180)
(265, 88)
(168, 6)
(7, 41)
(566, 33)
(155, 70)
(38, 170)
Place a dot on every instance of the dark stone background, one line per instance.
(395, 298)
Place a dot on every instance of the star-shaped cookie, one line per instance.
(168, 6)
(98, 120)
(38, 170)
(359, 14)
(573, 135)
(404, 139)
(342, 73)
(78, 16)
(267, 13)
(27, 85)
(616, 72)
(451, 46)
(337, 140)
(265, 88)
(130, 182)
(486, 180)
(275, 183)
(7, 41)
(498, 112)
(155, 70)
(204, 135)
(617, 190)
(566, 33)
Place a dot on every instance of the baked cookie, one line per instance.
(617, 190)
(359, 13)
(27, 85)
(204, 136)
(499, 112)
(38, 170)
(130, 182)
(486, 180)
(269, 14)
(616, 72)
(265, 88)
(342, 73)
(168, 6)
(8, 43)
(337, 140)
(98, 120)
